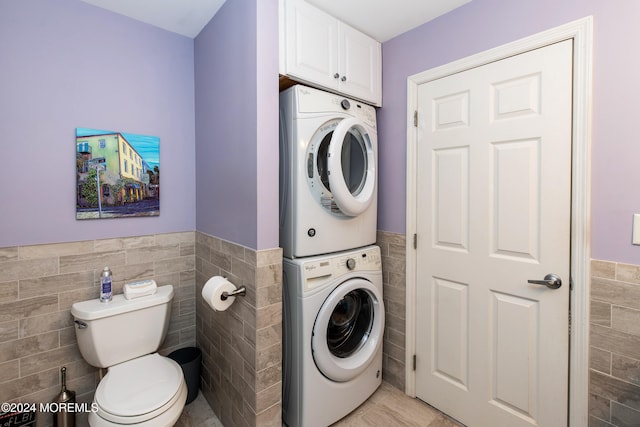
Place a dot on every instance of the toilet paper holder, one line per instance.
(240, 292)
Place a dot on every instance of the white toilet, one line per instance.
(141, 387)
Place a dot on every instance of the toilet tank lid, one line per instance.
(94, 309)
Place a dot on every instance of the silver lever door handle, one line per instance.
(551, 281)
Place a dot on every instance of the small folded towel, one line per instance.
(139, 289)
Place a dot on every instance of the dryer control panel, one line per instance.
(317, 271)
(314, 101)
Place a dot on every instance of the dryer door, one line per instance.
(348, 330)
(351, 167)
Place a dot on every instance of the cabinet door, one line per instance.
(360, 65)
(312, 44)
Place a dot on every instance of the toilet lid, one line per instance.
(139, 386)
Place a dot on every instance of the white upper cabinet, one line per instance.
(322, 51)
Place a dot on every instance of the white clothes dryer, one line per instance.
(333, 321)
(328, 173)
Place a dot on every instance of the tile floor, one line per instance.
(387, 407)
(198, 414)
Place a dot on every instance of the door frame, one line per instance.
(581, 32)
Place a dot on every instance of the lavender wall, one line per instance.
(67, 64)
(483, 24)
(237, 124)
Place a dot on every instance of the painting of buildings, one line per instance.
(117, 174)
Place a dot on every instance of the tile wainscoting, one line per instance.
(38, 285)
(614, 352)
(392, 249)
(242, 346)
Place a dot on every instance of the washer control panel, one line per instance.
(317, 272)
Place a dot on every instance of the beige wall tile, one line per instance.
(26, 269)
(153, 253)
(27, 346)
(233, 250)
(598, 407)
(269, 315)
(270, 274)
(49, 359)
(46, 323)
(9, 254)
(624, 416)
(626, 369)
(600, 360)
(9, 330)
(268, 295)
(269, 257)
(16, 310)
(221, 261)
(9, 370)
(625, 320)
(175, 265)
(131, 272)
(615, 390)
(604, 269)
(187, 249)
(391, 238)
(92, 261)
(56, 249)
(268, 397)
(601, 313)
(243, 270)
(615, 292)
(615, 341)
(8, 291)
(628, 273)
(392, 247)
(173, 238)
(52, 285)
(27, 385)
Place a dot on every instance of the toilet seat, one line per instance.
(140, 389)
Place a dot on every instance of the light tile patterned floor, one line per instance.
(198, 414)
(387, 407)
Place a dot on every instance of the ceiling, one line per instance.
(385, 19)
(382, 19)
(186, 17)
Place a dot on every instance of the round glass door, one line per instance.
(348, 330)
(345, 162)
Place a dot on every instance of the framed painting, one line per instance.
(117, 174)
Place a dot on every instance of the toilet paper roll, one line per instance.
(212, 293)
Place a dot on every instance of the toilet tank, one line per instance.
(122, 329)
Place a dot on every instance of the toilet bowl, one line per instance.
(141, 387)
(149, 390)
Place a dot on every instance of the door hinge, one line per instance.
(415, 241)
(415, 118)
(414, 362)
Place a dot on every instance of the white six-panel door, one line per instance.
(493, 211)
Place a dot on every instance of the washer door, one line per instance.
(345, 166)
(348, 330)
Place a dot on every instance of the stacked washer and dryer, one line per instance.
(333, 312)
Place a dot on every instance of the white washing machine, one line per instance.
(333, 321)
(328, 173)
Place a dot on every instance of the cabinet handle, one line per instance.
(344, 78)
(336, 75)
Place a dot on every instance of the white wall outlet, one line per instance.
(636, 229)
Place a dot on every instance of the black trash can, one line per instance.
(190, 360)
